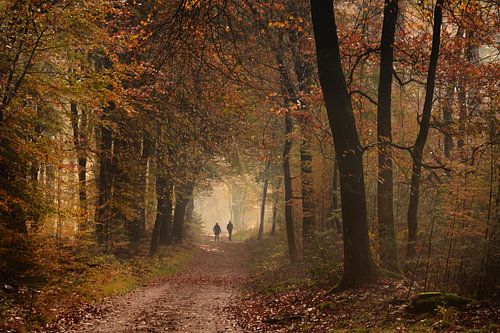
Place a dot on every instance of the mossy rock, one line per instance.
(325, 306)
(430, 301)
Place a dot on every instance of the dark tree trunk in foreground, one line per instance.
(105, 182)
(358, 265)
(264, 199)
(418, 148)
(385, 204)
(335, 199)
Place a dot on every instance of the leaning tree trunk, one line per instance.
(418, 148)
(264, 199)
(358, 264)
(385, 203)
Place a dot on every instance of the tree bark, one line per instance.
(264, 199)
(304, 74)
(105, 181)
(182, 198)
(335, 199)
(385, 204)
(79, 124)
(358, 264)
(166, 220)
(290, 228)
(163, 209)
(418, 148)
(276, 196)
(447, 120)
(289, 97)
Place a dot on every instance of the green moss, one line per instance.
(430, 301)
(325, 306)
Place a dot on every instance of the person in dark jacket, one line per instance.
(217, 231)
(230, 229)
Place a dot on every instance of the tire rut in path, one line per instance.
(190, 301)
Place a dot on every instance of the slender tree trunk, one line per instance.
(275, 204)
(166, 221)
(303, 72)
(162, 209)
(79, 124)
(358, 264)
(189, 210)
(264, 199)
(105, 182)
(290, 228)
(418, 148)
(447, 119)
(308, 221)
(146, 150)
(385, 204)
(289, 98)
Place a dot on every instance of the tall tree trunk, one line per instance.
(276, 197)
(166, 222)
(163, 208)
(105, 181)
(358, 264)
(289, 97)
(147, 152)
(189, 210)
(308, 221)
(79, 124)
(385, 204)
(290, 228)
(418, 148)
(264, 199)
(447, 120)
(335, 199)
(182, 198)
(304, 74)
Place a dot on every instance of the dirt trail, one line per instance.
(190, 301)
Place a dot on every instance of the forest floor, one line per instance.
(192, 300)
(249, 286)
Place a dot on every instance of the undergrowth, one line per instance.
(58, 277)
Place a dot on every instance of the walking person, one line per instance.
(217, 231)
(230, 229)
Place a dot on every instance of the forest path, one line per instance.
(192, 300)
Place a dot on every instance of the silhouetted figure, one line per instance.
(217, 231)
(230, 229)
